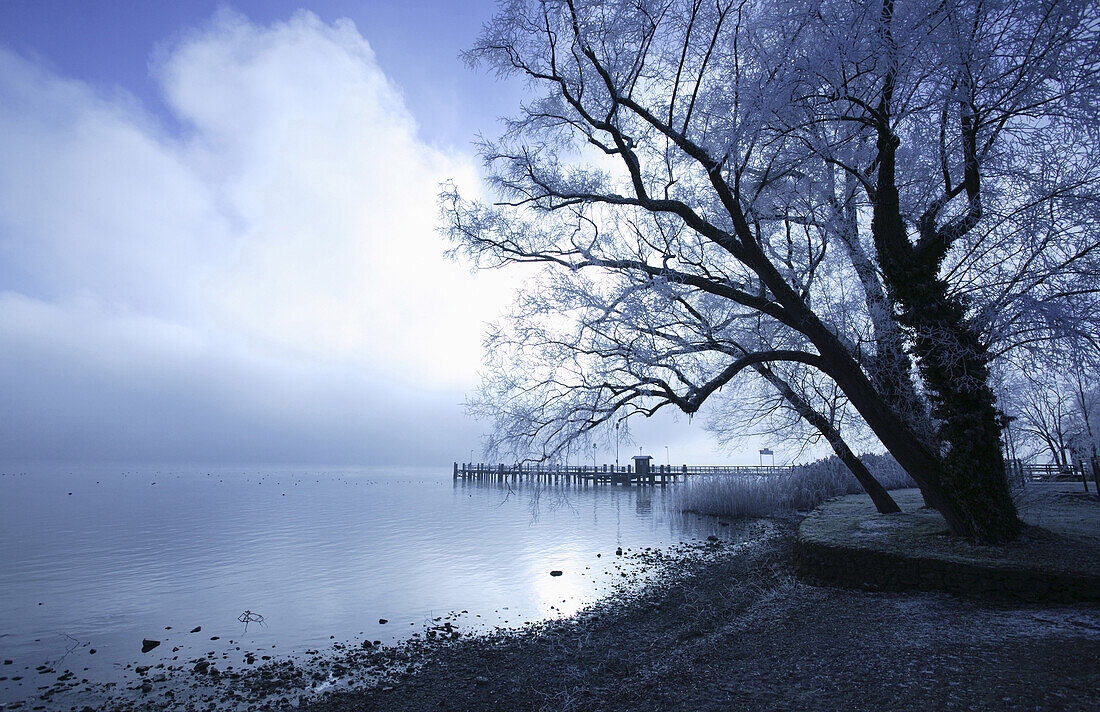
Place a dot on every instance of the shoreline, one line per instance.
(719, 626)
(732, 627)
(716, 625)
(273, 680)
(323, 556)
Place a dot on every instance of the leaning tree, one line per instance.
(720, 188)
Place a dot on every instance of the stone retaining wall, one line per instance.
(868, 568)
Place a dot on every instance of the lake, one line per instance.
(100, 558)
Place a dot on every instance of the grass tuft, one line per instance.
(806, 487)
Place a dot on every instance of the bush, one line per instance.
(804, 488)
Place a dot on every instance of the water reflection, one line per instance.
(155, 552)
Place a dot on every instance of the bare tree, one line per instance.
(1044, 410)
(1084, 384)
(1054, 394)
(692, 172)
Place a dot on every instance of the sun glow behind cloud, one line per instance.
(277, 248)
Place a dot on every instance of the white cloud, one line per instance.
(291, 222)
(339, 258)
(92, 199)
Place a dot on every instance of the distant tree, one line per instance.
(1054, 395)
(1085, 389)
(723, 187)
(1044, 409)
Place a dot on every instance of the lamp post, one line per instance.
(668, 462)
(593, 457)
(617, 423)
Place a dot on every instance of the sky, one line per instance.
(218, 233)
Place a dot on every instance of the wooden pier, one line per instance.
(641, 473)
(1082, 469)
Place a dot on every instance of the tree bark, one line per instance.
(953, 365)
(891, 368)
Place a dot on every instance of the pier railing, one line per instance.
(1083, 469)
(763, 470)
(645, 473)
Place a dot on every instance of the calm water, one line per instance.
(317, 552)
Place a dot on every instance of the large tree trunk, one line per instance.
(911, 451)
(891, 368)
(953, 365)
(914, 455)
